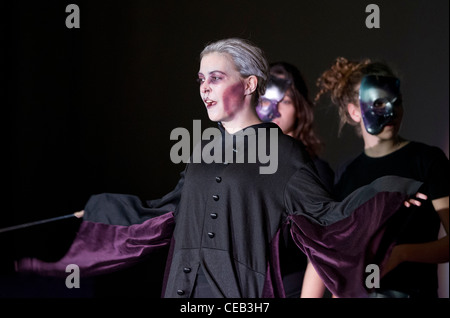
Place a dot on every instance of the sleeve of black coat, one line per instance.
(104, 248)
(341, 238)
(125, 209)
(117, 231)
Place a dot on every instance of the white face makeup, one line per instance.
(221, 87)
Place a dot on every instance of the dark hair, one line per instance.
(304, 111)
(342, 78)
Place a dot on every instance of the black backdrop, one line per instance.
(90, 110)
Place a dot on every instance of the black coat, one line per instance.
(227, 221)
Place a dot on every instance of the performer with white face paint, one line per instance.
(222, 222)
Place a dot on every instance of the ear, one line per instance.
(354, 112)
(251, 83)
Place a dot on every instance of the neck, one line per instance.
(375, 147)
(244, 120)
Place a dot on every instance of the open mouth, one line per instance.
(209, 103)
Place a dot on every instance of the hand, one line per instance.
(414, 201)
(79, 214)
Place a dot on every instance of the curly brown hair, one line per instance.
(304, 112)
(341, 81)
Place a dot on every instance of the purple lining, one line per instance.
(273, 286)
(341, 251)
(101, 248)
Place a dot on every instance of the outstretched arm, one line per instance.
(314, 287)
(101, 248)
(341, 238)
(125, 209)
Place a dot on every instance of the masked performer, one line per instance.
(223, 220)
(286, 103)
(368, 97)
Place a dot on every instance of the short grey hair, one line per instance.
(248, 58)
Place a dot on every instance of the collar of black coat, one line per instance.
(254, 127)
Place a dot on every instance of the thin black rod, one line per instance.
(24, 225)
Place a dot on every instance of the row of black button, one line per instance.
(214, 215)
(187, 270)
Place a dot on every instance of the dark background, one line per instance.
(90, 110)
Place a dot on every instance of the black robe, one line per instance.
(226, 218)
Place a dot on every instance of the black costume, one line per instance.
(227, 222)
(410, 225)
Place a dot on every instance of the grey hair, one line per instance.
(248, 59)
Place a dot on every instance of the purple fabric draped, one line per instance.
(102, 248)
(273, 286)
(341, 251)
